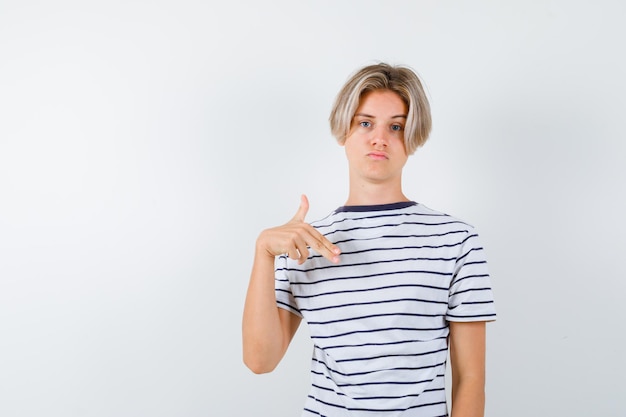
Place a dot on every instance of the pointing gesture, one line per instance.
(295, 237)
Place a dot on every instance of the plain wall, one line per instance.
(144, 145)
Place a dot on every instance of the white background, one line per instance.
(145, 144)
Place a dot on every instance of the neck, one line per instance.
(370, 194)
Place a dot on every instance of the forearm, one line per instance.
(468, 397)
(263, 336)
(467, 359)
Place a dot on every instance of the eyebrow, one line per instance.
(399, 116)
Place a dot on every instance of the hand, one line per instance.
(295, 237)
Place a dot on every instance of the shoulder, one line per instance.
(443, 218)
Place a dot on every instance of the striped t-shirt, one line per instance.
(379, 318)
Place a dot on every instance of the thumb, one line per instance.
(302, 210)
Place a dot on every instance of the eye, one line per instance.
(396, 128)
(365, 124)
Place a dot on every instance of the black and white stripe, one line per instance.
(379, 319)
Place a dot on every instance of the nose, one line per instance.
(379, 139)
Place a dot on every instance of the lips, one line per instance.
(378, 156)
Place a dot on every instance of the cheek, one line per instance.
(351, 142)
(399, 142)
(353, 148)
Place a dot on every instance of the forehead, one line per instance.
(381, 102)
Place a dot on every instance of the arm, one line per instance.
(467, 358)
(267, 329)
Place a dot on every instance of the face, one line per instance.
(375, 145)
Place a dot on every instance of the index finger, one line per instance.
(324, 247)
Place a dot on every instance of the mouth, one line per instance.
(377, 156)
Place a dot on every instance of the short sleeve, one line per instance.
(470, 295)
(282, 286)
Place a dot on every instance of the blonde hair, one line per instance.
(399, 79)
